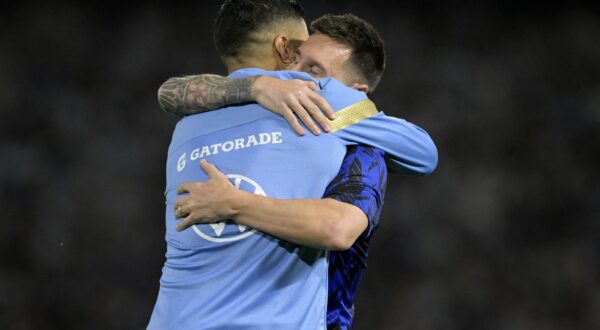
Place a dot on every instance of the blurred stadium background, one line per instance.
(504, 235)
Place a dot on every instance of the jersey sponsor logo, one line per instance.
(229, 146)
(228, 231)
(181, 162)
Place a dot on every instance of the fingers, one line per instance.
(185, 187)
(315, 113)
(302, 113)
(293, 121)
(210, 169)
(181, 211)
(322, 104)
(185, 223)
(312, 85)
(319, 100)
(180, 207)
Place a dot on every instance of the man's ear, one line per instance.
(284, 49)
(360, 87)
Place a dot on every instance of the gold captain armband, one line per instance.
(353, 114)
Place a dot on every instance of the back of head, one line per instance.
(241, 25)
(367, 61)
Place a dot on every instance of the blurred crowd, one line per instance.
(504, 235)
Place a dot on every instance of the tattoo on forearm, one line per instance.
(197, 94)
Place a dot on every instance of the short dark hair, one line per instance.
(238, 18)
(368, 54)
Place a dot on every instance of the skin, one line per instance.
(197, 94)
(295, 100)
(322, 56)
(270, 49)
(322, 223)
(183, 96)
(292, 99)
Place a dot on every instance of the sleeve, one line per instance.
(361, 182)
(408, 148)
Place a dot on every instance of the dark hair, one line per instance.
(238, 18)
(368, 54)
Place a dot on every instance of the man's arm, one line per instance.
(321, 223)
(329, 223)
(408, 148)
(361, 182)
(197, 94)
(288, 98)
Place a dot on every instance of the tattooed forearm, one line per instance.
(197, 94)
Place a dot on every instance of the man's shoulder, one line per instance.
(364, 161)
(335, 92)
(282, 74)
(339, 95)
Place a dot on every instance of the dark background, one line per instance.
(504, 235)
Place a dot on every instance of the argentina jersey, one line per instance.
(226, 276)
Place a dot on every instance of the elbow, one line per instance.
(167, 97)
(337, 236)
(162, 90)
(161, 95)
(416, 154)
(342, 225)
(338, 244)
(429, 158)
(432, 160)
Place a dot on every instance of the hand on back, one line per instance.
(294, 99)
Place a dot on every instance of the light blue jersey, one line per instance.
(226, 276)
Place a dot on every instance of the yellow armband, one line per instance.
(353, 114)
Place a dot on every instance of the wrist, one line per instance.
(237, 203)
(258, 87)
